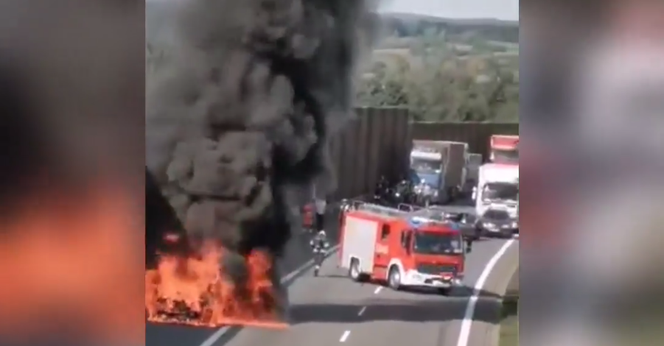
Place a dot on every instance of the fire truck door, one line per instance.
(382, 253)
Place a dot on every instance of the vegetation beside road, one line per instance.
(445, 70)
(509, 325)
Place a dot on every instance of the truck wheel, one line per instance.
(354, 271)
(444, 291)
(394, 278)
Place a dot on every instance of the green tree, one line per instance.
(439, 85)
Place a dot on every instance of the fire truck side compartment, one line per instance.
(359, 241)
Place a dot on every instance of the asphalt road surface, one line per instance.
(332, 309)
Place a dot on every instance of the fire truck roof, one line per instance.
(415, 219)
(419, 221)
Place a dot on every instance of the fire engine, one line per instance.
(402, 248)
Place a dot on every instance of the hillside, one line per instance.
(442, 69)
(409, 25)
(157, 15)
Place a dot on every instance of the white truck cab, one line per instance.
(498, 184)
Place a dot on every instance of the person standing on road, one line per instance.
(320, 206)
(319, 243)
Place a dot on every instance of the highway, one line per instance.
(332, 309)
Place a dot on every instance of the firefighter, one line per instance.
(319, 245)
(319, 242)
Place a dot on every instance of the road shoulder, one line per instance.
(509, 325)
(487, 314)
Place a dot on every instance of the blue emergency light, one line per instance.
(416, 221)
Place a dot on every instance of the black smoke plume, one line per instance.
(238, 122)
(17, 161)
(160, 219)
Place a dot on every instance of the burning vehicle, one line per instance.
(185, 279)
(236, 125)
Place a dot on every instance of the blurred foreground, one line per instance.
(593, 173)
(71, 199)
(62, 256)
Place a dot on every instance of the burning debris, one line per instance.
(236, 127)
(192, 290)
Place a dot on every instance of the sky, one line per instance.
(462, 9)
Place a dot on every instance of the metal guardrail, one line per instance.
(409, 207)
(351, 204)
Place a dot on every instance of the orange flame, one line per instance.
(194, 291)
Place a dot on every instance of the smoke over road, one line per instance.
(238, 124)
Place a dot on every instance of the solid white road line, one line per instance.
(214, 337)
(361, 311)
(467, 322)
(378, 289)
(344, 336)
(221, 331)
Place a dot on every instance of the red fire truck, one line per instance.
(402, 248)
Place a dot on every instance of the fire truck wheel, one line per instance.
(394, 278)
(354, 271)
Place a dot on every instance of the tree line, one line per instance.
(444, 79)
(438, 76)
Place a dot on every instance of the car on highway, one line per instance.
(497, 223)
(462, 216)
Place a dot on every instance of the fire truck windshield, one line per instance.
(434, 243)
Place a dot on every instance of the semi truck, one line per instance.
(401, 248)
(504, 149)
(441, 167)
(473, 169)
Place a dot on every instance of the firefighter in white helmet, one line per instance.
(319, 243)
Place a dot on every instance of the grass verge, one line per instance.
(509, 324)
(509, 321)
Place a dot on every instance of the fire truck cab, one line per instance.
(402, 248)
